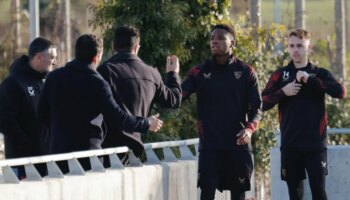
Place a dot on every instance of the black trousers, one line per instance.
(294, 164)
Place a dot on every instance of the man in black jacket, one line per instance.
(135, 85)
(299, 89)
(19, 97)
(229, 109)
(75, 101)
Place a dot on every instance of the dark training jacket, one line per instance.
(303, 118)
(228, 100)
(136, 87)
(74, 102)
(19, 97)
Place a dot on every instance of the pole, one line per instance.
(300, 14)
(340, 50)
(277, 11)
(34, 19)
(68, 30)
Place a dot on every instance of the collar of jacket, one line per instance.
(21, 66)
(81, 66)
(230, 60)
(309, 65)
(125, 55)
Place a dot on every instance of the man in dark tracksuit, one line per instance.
(75, 100)
(135, 85)
(19, 98)
(228, 106)
(299, 90)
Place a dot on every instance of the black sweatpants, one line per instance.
(293, 165)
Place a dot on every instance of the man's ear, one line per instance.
(233, 43)
(95, 59)
(136, 49)
(37, 58)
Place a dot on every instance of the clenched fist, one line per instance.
(155, 123)
(302, 76)
(172, 64)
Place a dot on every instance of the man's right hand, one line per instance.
(172, 64)
(291, 88)
(155, 123)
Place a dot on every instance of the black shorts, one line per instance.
(295, 162)
(225, 170)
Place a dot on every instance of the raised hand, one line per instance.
(172, 64)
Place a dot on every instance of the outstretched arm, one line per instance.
(119, 119)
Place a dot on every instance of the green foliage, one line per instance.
(5, 58)
(338, 117)
(167, 27)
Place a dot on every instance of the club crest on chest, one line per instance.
(238, 74)
(285, 76)
(31, 91)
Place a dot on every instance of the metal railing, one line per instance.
(75, 167)
(329, 131)
(338, 131)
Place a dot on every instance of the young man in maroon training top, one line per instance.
(229, 109)
(299, 89)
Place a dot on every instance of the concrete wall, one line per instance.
(166, 181)
(337, 182)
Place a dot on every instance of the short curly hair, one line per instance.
(226, 27)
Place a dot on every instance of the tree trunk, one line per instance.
(277, 11)
(347, 24)
(34, 19)
(255, 14)
(68, 32)
(300, 14)
(340, 50)
(15, 12)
